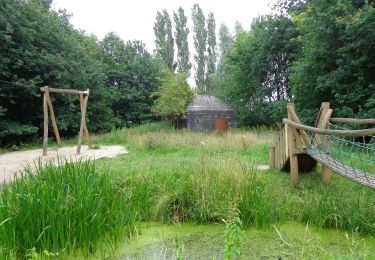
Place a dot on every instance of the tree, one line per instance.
(238, 28)
(132, 74)
(39, 47)
(211, 48)
(200, 40)
(172, 96)
(164, 40)
(181, 37)
(258, 67)
(225, 41)
(337, 61)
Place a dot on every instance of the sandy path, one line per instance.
(13, 162)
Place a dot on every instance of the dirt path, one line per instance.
(13, 162)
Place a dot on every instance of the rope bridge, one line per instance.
(349, 153)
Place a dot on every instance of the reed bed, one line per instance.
(60, 209)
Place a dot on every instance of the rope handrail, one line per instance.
(354, 133)
(370, 121)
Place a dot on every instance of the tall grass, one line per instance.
(195, 177)
(169, 176)
(64, 208)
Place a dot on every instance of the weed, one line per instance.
(233, 235)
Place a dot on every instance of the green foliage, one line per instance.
(39, 47)
(225, 44)
(131, 76)
(164, 40)
(66, 208)
(257, 69)
(200, 42)
(337, 62)
(173, 95)
(181, 36)
(211, 49)
(234, 236)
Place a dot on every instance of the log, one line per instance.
(65, 91)
(53, 119)
(45, 125)
(295, 118)
(369, 121)
(83, 121)
(354, 133)
(293, 159)
(85, 129)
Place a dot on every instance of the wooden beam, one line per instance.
(45, 125)
(292, 156)
(370, 121)
(85, 129)
(83, 120)
(324, 124)
(65, 91)
(53, 119)
(355, 133)
(326, 119)
(295, 118)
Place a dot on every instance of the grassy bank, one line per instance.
(171, 176)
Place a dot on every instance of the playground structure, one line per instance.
(346, 152)
(47, 106)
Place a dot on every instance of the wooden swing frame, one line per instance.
(47, 106)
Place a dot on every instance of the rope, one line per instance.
(348, 156)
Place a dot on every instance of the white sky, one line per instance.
(134, 19)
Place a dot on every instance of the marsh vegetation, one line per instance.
(172, 177)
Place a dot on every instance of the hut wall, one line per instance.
(205, 120)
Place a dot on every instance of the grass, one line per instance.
(171, 176)
(64, 208)
(196, 176)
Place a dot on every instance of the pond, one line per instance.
(283, 241)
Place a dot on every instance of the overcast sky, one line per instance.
(133, 20)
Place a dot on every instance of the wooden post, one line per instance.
(272, 157)
(85, 129)
(323, 121)
(45, 125)
(293, 159)
(83, 119)
(52, 114)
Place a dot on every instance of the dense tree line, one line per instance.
(306, 52)
(38, 47)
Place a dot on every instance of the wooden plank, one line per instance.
(286, 139)
(83, 118)
(53, 119)
(65, 91)
(45, 125)
(85, 129)
(369, 121)
(271, 160)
